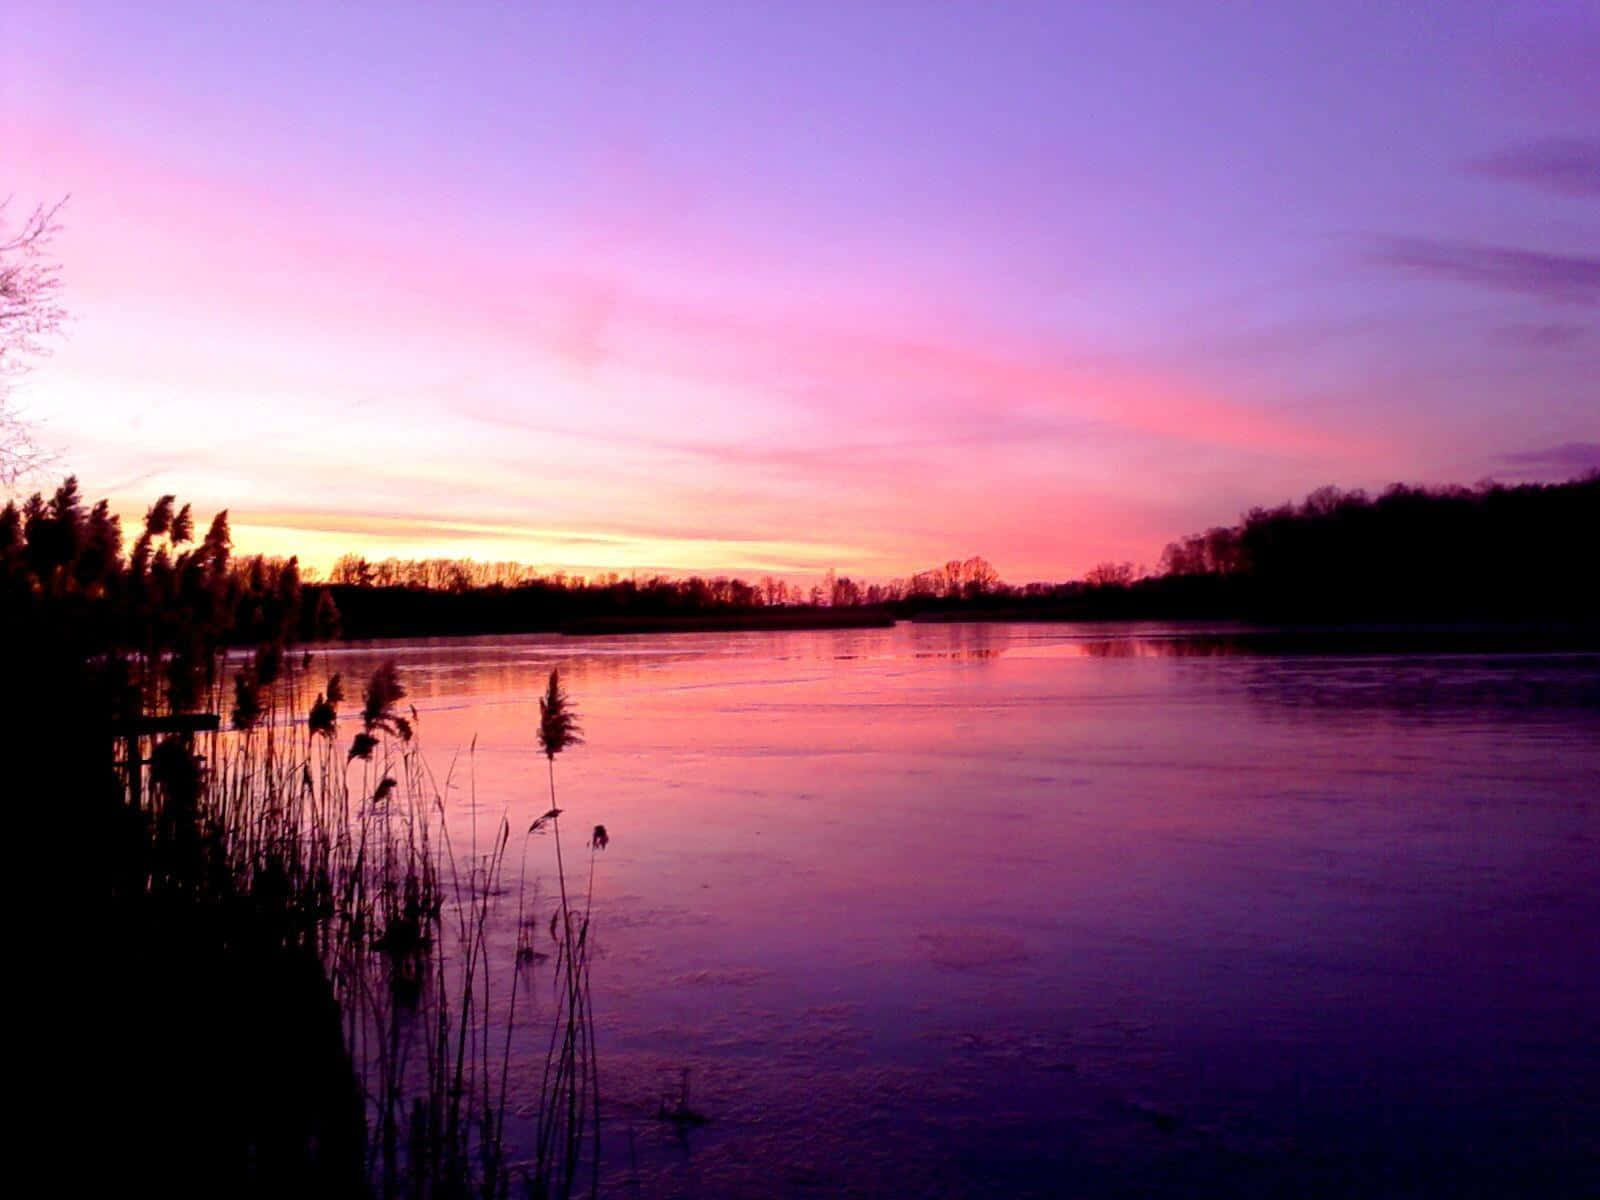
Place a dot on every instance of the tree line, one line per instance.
(1493, 552)
(1408, 553)
(1490, 552)
(957, 579)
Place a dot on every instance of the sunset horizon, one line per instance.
(441, 291)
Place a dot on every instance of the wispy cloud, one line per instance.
(618, 547)
(1548, 335)
(905, 376)
(1558, 278)
(382, 525)
(1565, 459)
(1565, 166)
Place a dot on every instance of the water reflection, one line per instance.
(1510, 687)
(978, 908)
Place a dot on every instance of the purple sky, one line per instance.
(724, 287)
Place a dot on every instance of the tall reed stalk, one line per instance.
(351, 855)
(570, 1088)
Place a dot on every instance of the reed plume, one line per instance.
(570, 1093)
(558, 722)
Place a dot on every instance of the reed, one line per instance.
(350, 852)
(570, 1090)
(274, 845)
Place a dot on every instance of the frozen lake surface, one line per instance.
(1043, 910)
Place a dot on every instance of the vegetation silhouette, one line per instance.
(1492, 554)
(271, 903)
(271, 906)
(1489, 553)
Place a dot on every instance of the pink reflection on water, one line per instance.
(1140, 880)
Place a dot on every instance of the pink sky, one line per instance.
(390, 288)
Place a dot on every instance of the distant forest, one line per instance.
(1410, 554)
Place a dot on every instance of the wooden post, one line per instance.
(132, 730)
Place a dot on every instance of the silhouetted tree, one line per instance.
(978, 578)
(1110, 574)
(1440, 553)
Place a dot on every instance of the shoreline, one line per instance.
(757, 620)
(1211, 635)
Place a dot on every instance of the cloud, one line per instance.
(619, 543)
(644, 404)
(1558, 278)
(384, 525)
(807, 458)
(1565, 166)
(1565, 459)
(948, 383)
(1550, 335)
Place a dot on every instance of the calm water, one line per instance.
(988, 910)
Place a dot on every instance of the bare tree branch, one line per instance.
(30, 314)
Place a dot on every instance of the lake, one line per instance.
(1040, 910)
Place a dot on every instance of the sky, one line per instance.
(778, 288)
